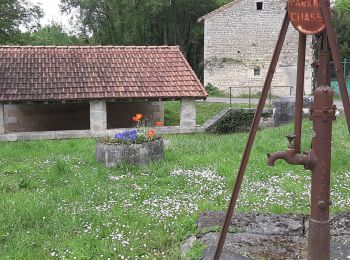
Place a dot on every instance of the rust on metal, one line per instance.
(299, 100)
(306, 16)
(322, 113)
(252, 134)
(336, 59)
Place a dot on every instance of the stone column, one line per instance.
(2, 119)
(98, 116)
(188, 112)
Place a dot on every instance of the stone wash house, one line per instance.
(92, 88)
(239, 41)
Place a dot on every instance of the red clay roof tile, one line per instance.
(38, 73)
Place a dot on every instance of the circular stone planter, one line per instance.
(112, 154)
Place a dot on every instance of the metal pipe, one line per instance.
(291, 157)
(322, 114)
(336, 59)
(251, 137)
(299, 100)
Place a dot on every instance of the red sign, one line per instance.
(306, 16)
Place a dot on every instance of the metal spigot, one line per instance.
(291, 139)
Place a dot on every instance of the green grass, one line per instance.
(56, 200)
(205, 111)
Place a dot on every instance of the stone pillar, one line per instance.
(2, 119)
(188, 112)
(98, 116)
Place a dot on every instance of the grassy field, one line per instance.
(56, 201)
(204, 111)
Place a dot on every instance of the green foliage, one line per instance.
(52, 35)
(204, 112)
(95, 212)
(214, 91)
(150, 22)
(196, 251)
(342, 5)
(341, 22)
(236, 120)
(14, 15)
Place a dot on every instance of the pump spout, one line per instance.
(292, 157)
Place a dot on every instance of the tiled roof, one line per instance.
(222, 8)
(50, 73)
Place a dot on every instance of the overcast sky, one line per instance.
(52, 12)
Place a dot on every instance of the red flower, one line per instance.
(136, 119)
(159, 123)
(150, 133)
(139, 116)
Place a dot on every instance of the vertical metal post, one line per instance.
(336, 59)
(251, 137)
(270, 96)
(322, 114)
(230, 97)
(299, 100)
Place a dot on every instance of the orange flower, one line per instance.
(159, 123)
(150, 133)
(136, 119)
(139, 116)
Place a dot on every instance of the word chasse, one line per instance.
(306, 17)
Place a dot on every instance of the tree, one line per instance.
(51, 35)
(342, 5)
(341, 22)
(147, 22)
(16, 15)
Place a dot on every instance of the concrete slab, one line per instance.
(51, 135)
(269, 236)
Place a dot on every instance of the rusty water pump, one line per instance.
(322, 113)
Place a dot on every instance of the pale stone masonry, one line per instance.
(98, 116)
(188, 112)
(239, 41)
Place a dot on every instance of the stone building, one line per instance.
(92, 88)
(239, 41)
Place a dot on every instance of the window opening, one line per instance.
(259, 5)
(257, 72)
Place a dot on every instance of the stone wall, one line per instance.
(59, 117)
(240, 39)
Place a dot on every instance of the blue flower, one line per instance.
(127, 136)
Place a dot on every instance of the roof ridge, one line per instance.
(87, 47)
(218, 10)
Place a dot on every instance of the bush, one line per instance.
(236, 120)
(212, 90)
